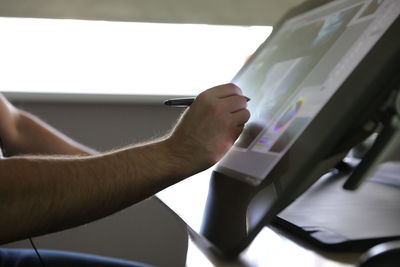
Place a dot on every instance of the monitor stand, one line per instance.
(341, 220)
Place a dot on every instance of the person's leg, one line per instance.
(28, 258)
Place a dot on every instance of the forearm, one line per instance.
(43, 195)
(33, 136)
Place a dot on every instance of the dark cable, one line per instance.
(37, 253)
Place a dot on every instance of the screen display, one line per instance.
(296, 72)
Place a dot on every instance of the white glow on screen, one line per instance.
(100, 57)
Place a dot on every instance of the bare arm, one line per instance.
(44, 194)
(23, 133)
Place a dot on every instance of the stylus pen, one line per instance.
(184, 102)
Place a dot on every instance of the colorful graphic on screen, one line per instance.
(264, 141)
(289, 114)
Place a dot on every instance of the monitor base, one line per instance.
(335, 219)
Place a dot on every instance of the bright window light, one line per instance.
(100, 57)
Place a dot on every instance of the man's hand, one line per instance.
(210, 126)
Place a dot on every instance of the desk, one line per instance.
(271, 247)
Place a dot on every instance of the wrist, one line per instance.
(180, 155)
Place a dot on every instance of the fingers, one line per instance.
(223, 91)
(223, 98)
(227, 100)
(241, 117)
(233, 103)
(212, 123)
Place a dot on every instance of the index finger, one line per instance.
(224, 90)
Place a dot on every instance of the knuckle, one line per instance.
(242, 101)
(247, 114)
(204, 98)
(234, 88)
(202, 95)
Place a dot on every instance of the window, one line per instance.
(120, 58)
